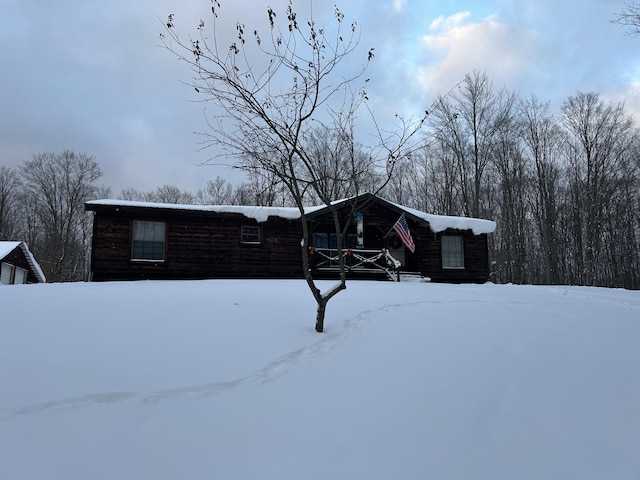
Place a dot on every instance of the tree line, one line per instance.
(563, 188)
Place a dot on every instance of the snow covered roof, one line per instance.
(259, 214)
(440, 223)
(7, 247)
(437, 223)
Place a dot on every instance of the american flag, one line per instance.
(402, 229)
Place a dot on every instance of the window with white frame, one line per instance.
(148, 241)
(250, 234)
(452, 251)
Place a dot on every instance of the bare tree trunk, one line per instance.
(270, 131)
(9, 189)
(57, 185)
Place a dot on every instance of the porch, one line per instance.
(359, 263)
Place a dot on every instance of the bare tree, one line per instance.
(629, 16)
(263, 187)
(56, 187)
(400, 187)
(163, 194)
(216, 192)
(467, 125)
(9, 205)
(441, 185)
(343, 167)
(271, 92)
(131, 194)
(508, 164)
(600, 139)
(565, 191)
(170, 194)
(542, 141)
(29, 229)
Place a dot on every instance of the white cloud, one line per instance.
(449, 22)
(455, 46)
(628, 95)
(398, 5)
(76, 74)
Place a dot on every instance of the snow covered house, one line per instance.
(138, 240)
(17, 265)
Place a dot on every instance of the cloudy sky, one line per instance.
(91, 76)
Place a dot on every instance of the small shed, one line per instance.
(17, 265)
(138, 240)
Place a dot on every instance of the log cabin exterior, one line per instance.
(135, 240)
(18, 265)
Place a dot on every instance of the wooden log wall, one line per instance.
(207, 245)
(428, 256)
(198, 245)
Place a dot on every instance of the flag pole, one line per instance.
(389, 231)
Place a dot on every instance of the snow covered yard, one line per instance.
(228, 380)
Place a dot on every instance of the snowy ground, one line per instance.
(227, 380)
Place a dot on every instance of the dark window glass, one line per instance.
(250, 234)
(148, 240)
(452, 251)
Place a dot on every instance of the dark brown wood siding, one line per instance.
(202, 244)
(377, 219)
(427, 259)
(198, 245)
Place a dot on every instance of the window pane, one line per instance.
(6, 273)
(452, 251)
(250, 234)
(20, 276)
(148, 231)
(321, 240)
(148, 240)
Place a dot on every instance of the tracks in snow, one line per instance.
(270, 372)
(277, 367)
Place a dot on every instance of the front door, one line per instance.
(396, 248)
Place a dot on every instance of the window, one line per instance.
(330, 240)
(148, 241)
(452, 251)
(7, 272)
(321, 240)
(10, 274)
(20, 276)
(250, 234)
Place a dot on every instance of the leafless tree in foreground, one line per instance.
(272, 92)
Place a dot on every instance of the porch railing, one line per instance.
(356, 260)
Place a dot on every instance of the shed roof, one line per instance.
(6, 247)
